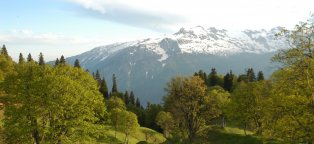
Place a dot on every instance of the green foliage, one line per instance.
(166, 122)
(127, 123)
(21, 59)
(188, 103)
(260, 76)
(77, 64)
(292, 104)
(114, 84)
(29, 58)
(41, 60)
(62, 60)
(4, 52)
(248, 104)
(51, 105)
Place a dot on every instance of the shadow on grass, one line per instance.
(218, 137)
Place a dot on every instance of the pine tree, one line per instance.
(97, 77)
(126, 98)
(138, 103)
(132, 98)
(77, 64)
(21, 59)
(4, 51)
(104, 89)
(260, 76)
(29, 58)
(228, 81)
(114, 84)
(62, 60)
(251, 75)
(213, 77)
(41, 59)
(57, 62)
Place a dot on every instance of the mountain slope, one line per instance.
(146, 65)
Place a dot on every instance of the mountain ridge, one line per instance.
(146, 65)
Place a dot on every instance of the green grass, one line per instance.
(230, 135)
(142, 134)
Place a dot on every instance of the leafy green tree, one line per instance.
(292, 103)
(166, 122)
(248, 104)
(127, 124)
(151, 112)
(51, 105)
(219, 99)
(41, 60)
(21, 59)
(187, 101)
(6, 66)
(77, 63)
(115, 102)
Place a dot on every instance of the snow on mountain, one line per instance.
(205, 41)
(146, 65)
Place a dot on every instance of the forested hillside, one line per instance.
(60, 103)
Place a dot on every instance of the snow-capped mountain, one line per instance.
(146, 65)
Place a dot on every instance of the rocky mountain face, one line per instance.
(145, 66)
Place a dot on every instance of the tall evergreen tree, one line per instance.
(260, 76)
(114, 84)
(138, 103)
(97, 77)
(132, 98)
(21, 59)
(213, 77)
(41, 59)
(251, 75)
(57, 62)
(103, 88)
(4, 51)
(228, 81)
(126, 98)
(77, 63)
(62, 60)
(29, 58)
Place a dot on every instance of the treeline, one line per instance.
(61, 103)
(279, 109)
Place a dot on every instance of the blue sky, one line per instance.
(70, 27)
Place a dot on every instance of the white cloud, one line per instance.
(223, 13)
(51, 44)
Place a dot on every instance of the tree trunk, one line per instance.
(36, 137)
(35, 132)
(245, 128)
(126, 141)
(223, 122)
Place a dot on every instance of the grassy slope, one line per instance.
(140, 135)
(230, 136)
